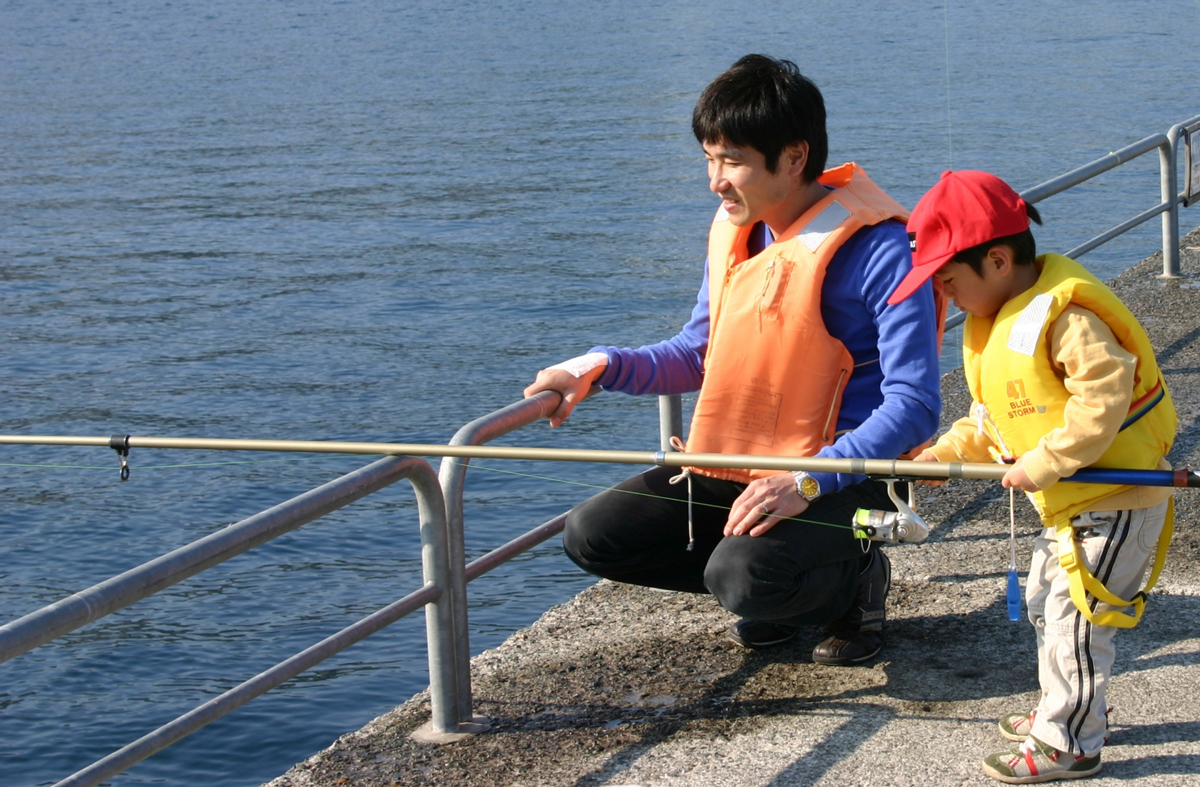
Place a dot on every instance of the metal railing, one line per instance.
(443, 594)
(120, 591)
(450, 696)
(440, 515)
(445, 571)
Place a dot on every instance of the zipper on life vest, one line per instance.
(770, 273)
(724, 294)
(833, 405)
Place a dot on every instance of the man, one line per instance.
(795, 352)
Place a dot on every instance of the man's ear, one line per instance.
(795, 156)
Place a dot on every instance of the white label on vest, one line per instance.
(825, 222)
(1027, 329)
(755, 414)
(722, 214)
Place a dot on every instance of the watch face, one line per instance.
(809, 487)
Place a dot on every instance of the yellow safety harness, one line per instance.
(1080, 578)
(1083, 582)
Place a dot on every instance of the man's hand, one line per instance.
(764, 503)
(1018, 478)
(573, 389)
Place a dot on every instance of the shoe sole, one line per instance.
(758, 645)
(848, 662)
(1041, 777)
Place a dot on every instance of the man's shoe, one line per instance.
(1019, 726)
(760, 634)
(857, 636)
(1034, 761)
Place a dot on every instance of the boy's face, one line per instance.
(749, 193)
(979, 294)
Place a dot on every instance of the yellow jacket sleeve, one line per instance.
(963, 443)
(1098, 374)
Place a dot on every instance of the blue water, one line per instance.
(373, 221)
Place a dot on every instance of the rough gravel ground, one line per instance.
(628, 686)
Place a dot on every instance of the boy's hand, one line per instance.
(1017, 478)
(928, 456)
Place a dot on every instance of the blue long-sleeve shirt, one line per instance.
(892, 401)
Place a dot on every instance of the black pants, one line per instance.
(798, 572)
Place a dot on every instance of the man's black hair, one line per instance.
(1023, 246)
(767, 104)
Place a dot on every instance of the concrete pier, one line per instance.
(627, 686)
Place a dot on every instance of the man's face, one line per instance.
(979, 294)
(749, 193)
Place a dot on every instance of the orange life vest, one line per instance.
(773, 375)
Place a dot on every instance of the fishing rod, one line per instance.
(901, 525)
(881, 468)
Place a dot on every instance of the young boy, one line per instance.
(1062, 377)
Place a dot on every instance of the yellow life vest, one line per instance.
(773, 375)
(1008, 366)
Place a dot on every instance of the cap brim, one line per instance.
(916, 277)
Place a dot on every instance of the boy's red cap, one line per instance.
(965, 208)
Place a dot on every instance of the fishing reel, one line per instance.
(890, 527)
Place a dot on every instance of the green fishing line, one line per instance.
(631, 492)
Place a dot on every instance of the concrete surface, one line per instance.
(627, 686)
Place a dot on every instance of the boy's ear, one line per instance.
(1001, 258)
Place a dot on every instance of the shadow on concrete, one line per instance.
(1158, 734)
(1141, 767)
(933, 664)
(863, 722)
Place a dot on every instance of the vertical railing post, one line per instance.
(670, 420)
(1169, 188)
(439, 619)
(452, 476)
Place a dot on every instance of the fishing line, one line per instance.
(949, 127)
(984, 425)
(1014, 585)
(638, 494)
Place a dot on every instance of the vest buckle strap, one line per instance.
(1067, 558)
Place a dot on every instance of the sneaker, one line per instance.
(1034, 761)
(1019, 726)
(761, 634)
(857, 636)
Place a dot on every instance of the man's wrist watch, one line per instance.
(806, 485)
